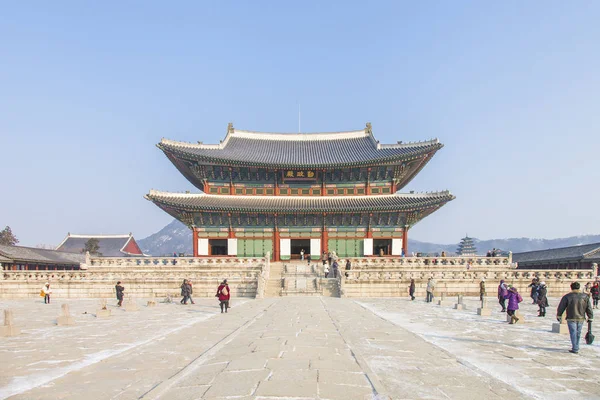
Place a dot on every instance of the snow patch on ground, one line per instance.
(518, 355)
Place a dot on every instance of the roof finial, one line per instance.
(368, 128)
(230, 127)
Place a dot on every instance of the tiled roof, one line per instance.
(42, 256)
(393, 202)
(109, 245)
(574, 253)
(299, 149)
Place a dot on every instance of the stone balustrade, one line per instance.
(170, 262)
(141, 276)
(383, 282)
(431, 262)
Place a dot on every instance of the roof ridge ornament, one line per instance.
(230, 128)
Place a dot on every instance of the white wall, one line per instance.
(396, 247)
(285, 247)
(315, 248)
(368, 244)
(232, 247)
(202, 247)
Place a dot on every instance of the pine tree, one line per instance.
(92, 245)
(7, 238)
(466, 247)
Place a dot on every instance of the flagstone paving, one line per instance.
(301, 348)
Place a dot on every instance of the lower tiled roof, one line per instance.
(393, 202)
(574, 253)
(41, 256)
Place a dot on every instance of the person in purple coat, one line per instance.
(502, 292)
(514, 298)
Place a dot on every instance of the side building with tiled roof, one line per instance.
(284, 193)
(573, 257)
(31, 258)
(108, 245)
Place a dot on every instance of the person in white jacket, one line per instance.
(46, 290)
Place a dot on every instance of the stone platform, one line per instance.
(301, 348)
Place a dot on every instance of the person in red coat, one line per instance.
(223, 293)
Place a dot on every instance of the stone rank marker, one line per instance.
(443, 302)
(518, 315)
(484, 311)
(561, 327)
(9, 328)
(460, 305)
(131, 305)
(65, 319)
(103, 311)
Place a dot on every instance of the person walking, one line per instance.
(577, 305)
(308, 258)
(324, 258)
(335, 268)
(534, 290)
(348, 267)
(482, 289)
(189, 282)
(502, 292)
(430, 289)
(224, 294)
(329, 258)
(326, 270)
(514, 298)
(302, 254)
(595, 291)
(46, 291)
(411, 290)
(542, 299)
(185, 292)
(119, 289)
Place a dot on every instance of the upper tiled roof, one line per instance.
(574, 253)
(393, 202)
(299, 149)
(109, 245)
(41, 256)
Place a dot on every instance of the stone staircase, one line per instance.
(299, 279)
(275, 282)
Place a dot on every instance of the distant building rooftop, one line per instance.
(109, 245)
(587, 253)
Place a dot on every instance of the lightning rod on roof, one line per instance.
(298, 117)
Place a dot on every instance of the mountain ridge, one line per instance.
(177, 238)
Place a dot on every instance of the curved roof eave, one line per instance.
(218, 203)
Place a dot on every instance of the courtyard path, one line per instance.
(300, 348)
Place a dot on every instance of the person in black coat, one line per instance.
(185, 291)
(119, 289)
(411, 289)
(542, 299)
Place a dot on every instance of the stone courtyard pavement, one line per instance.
(290, 348)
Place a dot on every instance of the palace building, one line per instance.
(283, 193)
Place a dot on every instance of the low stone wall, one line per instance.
(142, 277)
(394, 282)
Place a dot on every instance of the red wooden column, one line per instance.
(324, 237)
(367, 184)
(195, 241)
(276, 241)
(405, 241)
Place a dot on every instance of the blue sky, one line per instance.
(511, 88)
